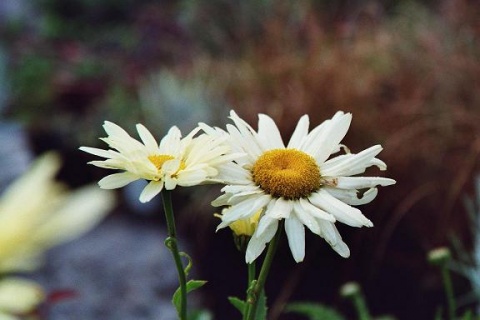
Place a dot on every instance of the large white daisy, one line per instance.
(175, 161)
(300, 183)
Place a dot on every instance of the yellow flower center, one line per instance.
(159, 159)
(287, 173)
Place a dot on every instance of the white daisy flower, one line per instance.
(175, 161)
(299, 182)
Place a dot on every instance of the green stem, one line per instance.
(447, 282)
(262, 278)
(171, 244)
(361, 307)
(252, 273)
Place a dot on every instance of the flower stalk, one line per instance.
(254, 293)
(172, 245)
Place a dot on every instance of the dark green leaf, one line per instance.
(238, 303)
(191, 285)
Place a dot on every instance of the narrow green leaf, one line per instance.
(238, 303)
(191, 285)
(314, 311)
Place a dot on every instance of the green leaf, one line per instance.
(238, 303)
(191, 285)
(314, 311)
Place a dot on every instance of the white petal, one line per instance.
(342, 212)
(328, 139)
(333, 238)
(170, 144)
(309, 221)
(296, 237)
(280, 209)
(362, 182)
(349, 164)
(151, 190)
(300, 133)
(351, 197)
(113, 129)
(264, 225)
(315, 212)
(97, 152)
(147, 138)
(269, 136)
(257, 244)
(243, 209)
(117, 180)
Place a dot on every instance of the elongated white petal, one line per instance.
(147, 138)
(97, 152)
(269, 136)
(170, 144)
(362, 182)
(300, 133)
(342, 212)
(352, 197)
(257, 243)
(281, 209)
(315, 211)
(296, 237)
(151, 190)
(350, 164)
(243, 210)
(308, 220)
(329, 138)
(332, 236)
(117, 180)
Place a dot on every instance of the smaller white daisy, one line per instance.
(175, 161)
(299, 183)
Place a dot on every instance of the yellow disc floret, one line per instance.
(287, 173)
(159, 159)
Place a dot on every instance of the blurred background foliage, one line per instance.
(409, 71)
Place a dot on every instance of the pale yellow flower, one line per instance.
(37, 213)
(175, 161)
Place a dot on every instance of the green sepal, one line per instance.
(191, 285)
(314, 311)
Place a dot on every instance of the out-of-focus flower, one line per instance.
(175, 161)
(300, 183)
(19, 297)
(37, 213)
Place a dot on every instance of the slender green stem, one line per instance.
(257, 289)
(252, 273)
(171, 243)
(447, 282)
(361, 306)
